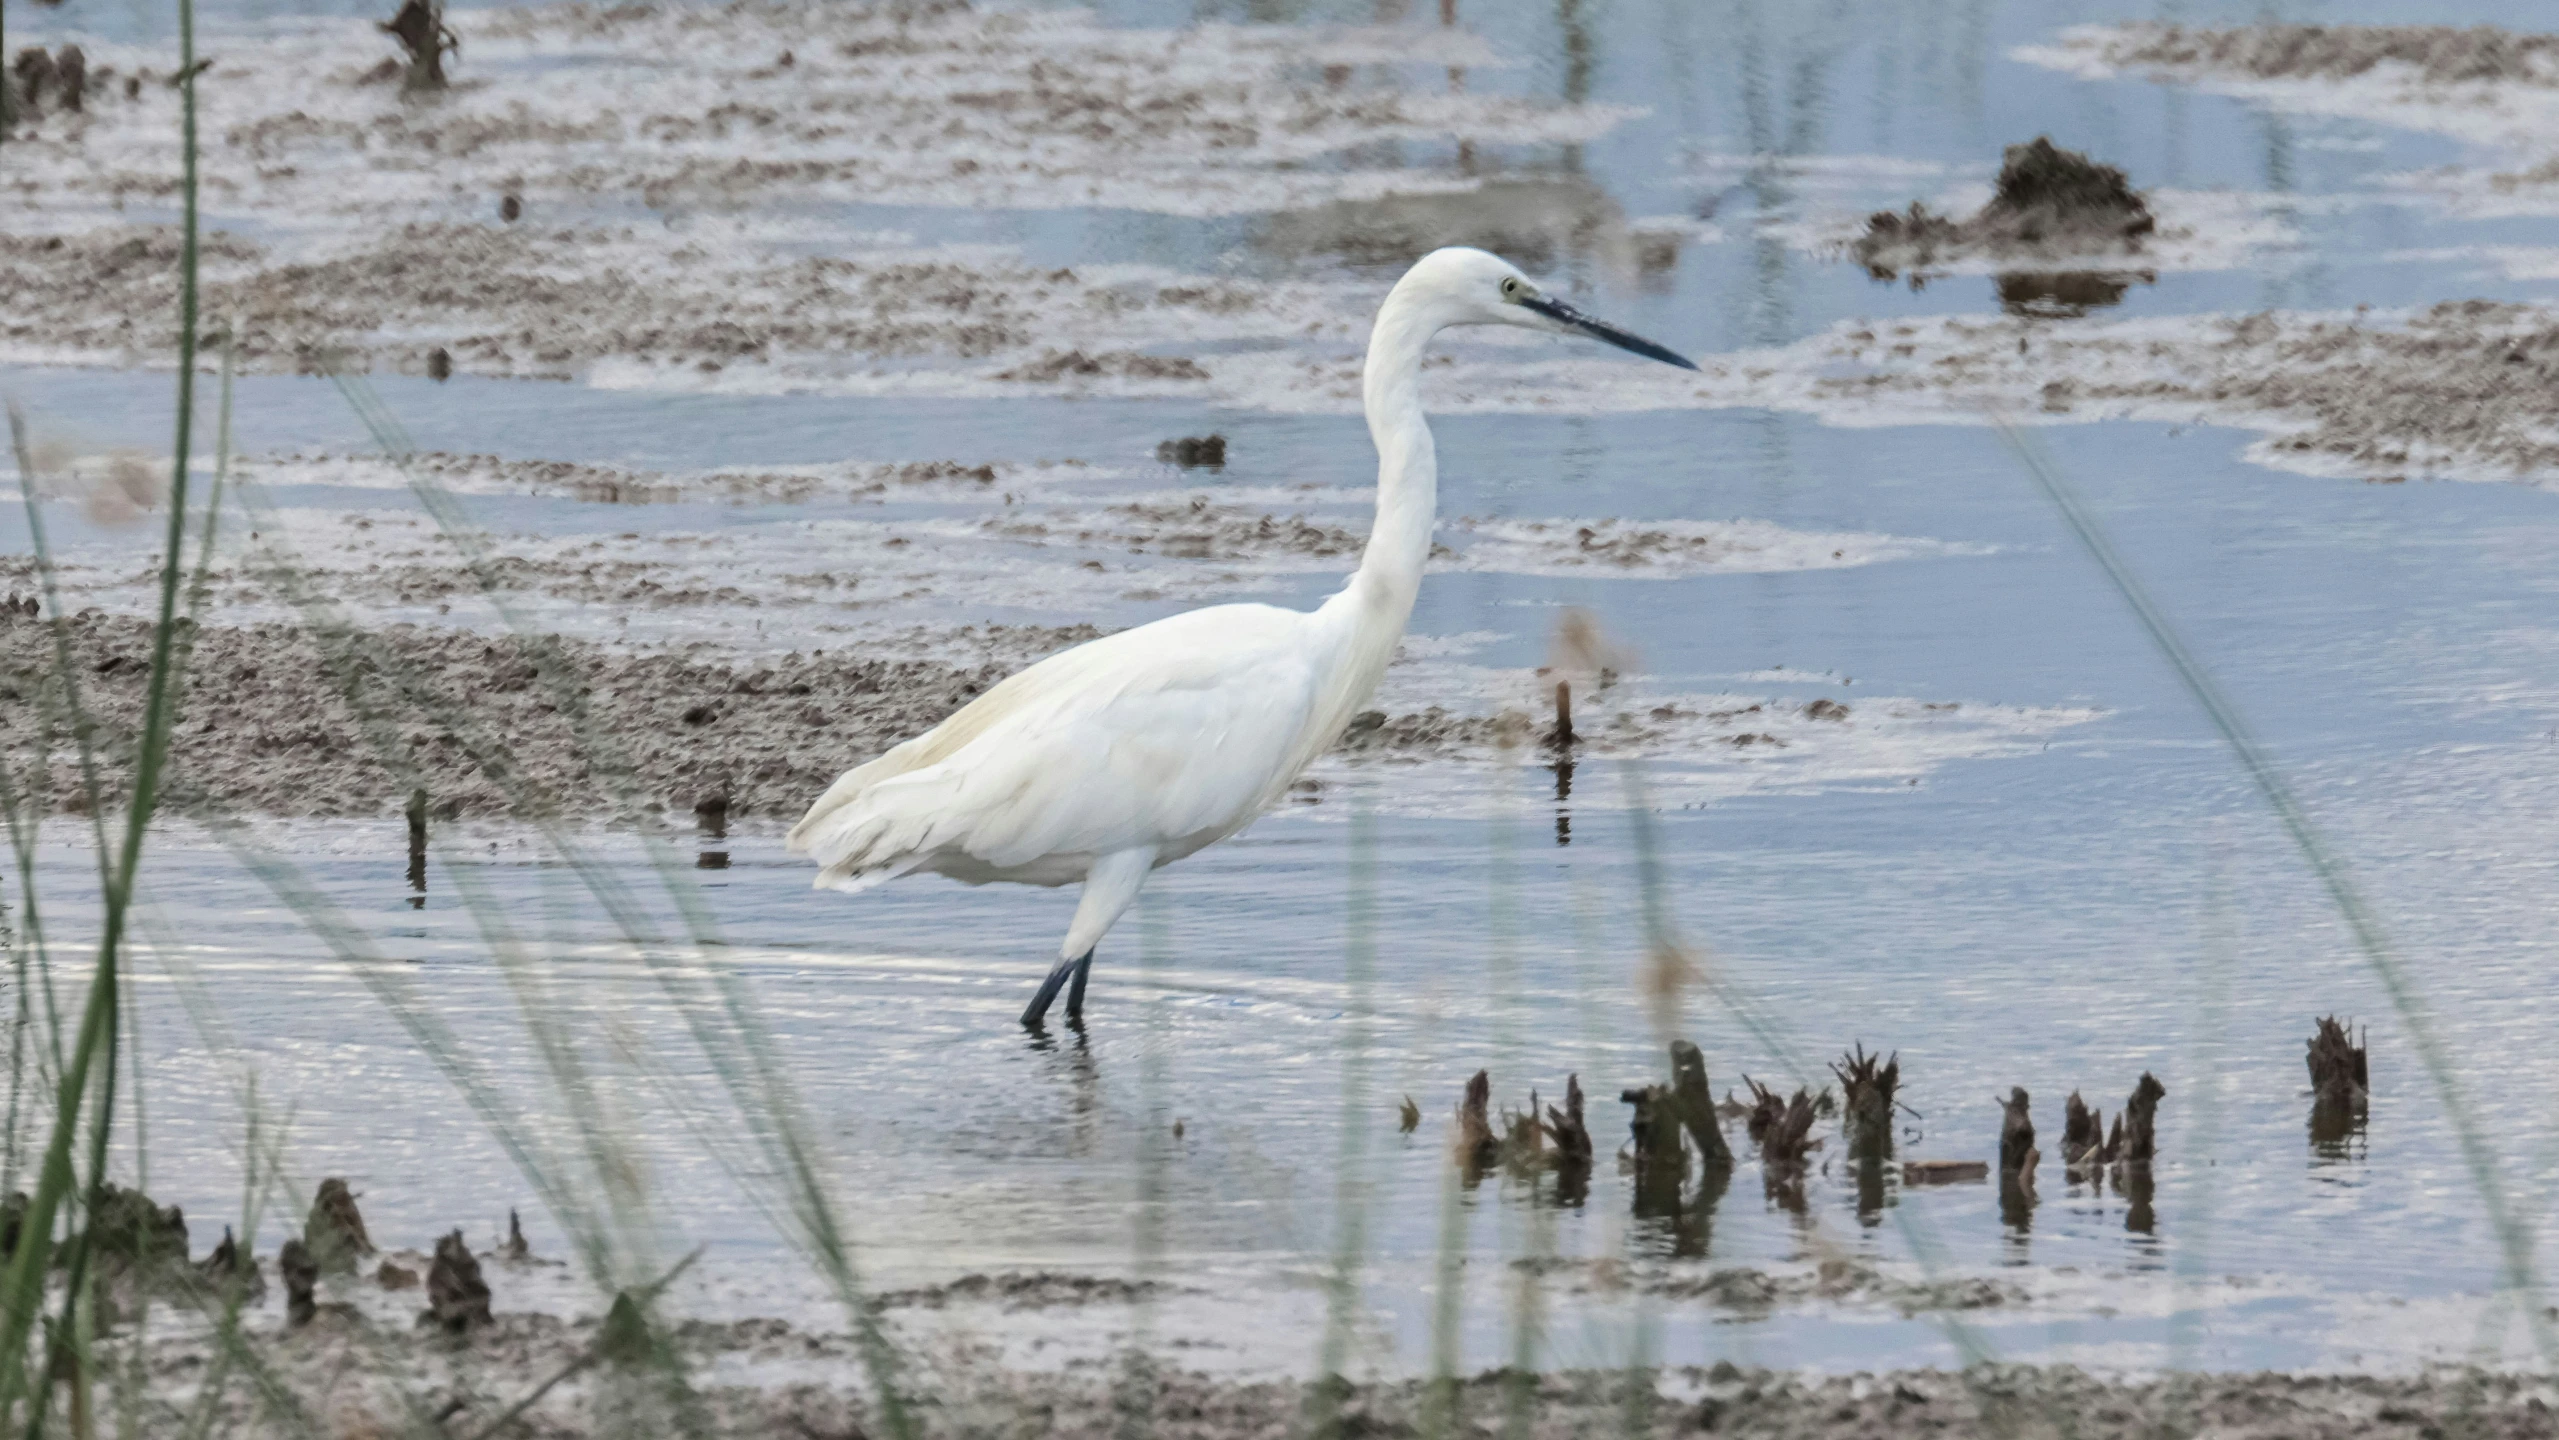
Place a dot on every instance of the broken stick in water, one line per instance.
(2018, 1158)
(1697, 1104)
(1477, 1149)
(1572, 1145)
(2340, 1084)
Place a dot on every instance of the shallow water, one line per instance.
(2061, 904)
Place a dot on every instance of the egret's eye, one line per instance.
(1512, 288)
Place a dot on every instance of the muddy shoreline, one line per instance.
(358, 1374)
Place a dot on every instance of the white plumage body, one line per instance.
(1171, 737)
(1102, 762)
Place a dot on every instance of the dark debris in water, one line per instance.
(2050, 203)
(1194, 452)
(1025, 1290)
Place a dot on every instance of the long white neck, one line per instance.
(1390, 569)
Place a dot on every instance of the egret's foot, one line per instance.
(1036, 1017)
(1075, 992)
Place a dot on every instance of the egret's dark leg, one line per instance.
(1036, 1017)
(1075, 992)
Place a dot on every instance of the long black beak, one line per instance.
(1557, 310)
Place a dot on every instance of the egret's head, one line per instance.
(1465, 286)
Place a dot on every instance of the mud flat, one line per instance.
(355, 1376)
(552, 302)
(2465, 389)
(2482, 84)
(676, 106)
(497, 726)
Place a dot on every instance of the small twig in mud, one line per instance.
(457, 1298)
(301, 1275)
(1561, 737)
(232, 1273)
(1409, 1118)
(334, 1232)
(1476, 1147)
(515, 1249)
(419, 27)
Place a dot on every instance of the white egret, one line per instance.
(1102, 762)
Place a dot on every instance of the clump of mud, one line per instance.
(497, 726)
(2050, 204)
(2441, 54)
(618, 485)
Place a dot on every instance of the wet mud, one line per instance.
(496, 726)
(528, 302)
(482, 723)
(345, 1374)
(943, 104)
(2438, 54)
(617, 485)
(2465, 389)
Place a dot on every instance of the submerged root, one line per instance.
(457, 1298)
(1782, 1128)
(1477, 1148)
(334, 1232)
(1867, 1086)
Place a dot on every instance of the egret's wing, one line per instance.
(1178, 729)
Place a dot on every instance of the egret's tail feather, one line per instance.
(853, 882)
